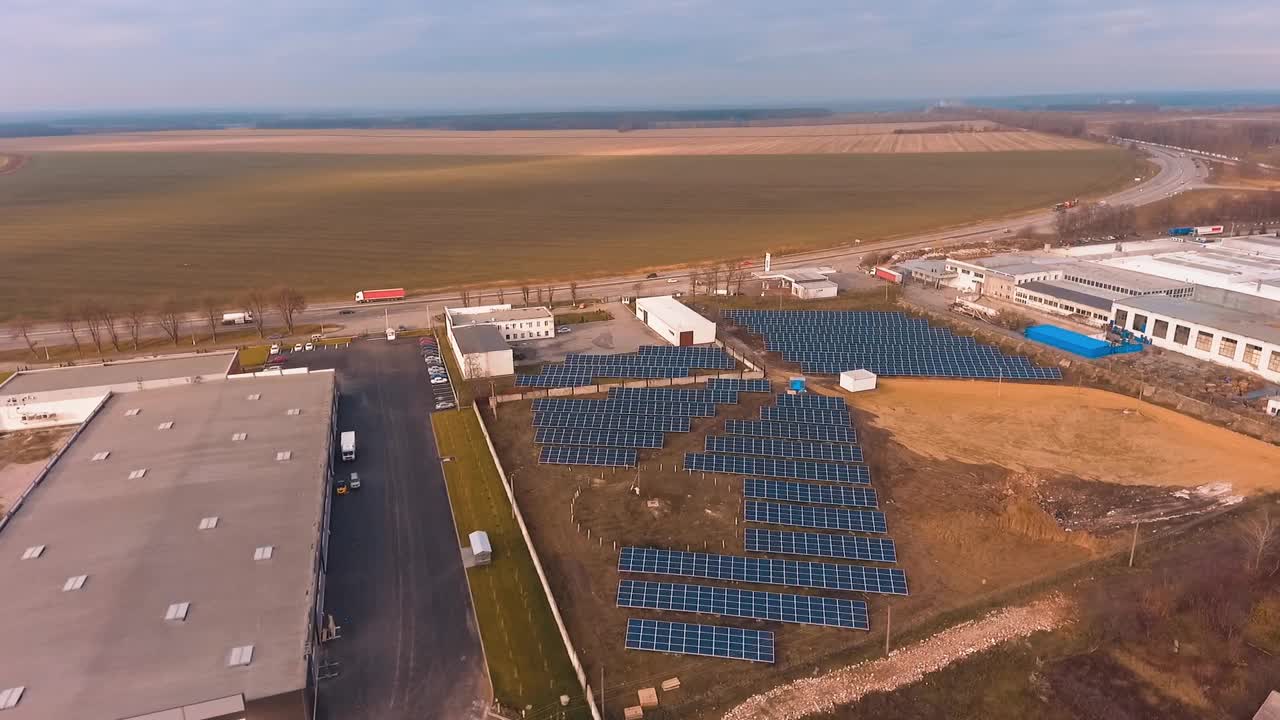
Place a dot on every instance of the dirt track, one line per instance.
(819, 139)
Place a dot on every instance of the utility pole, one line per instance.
(888, 623)
(1133, 548)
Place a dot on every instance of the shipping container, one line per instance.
(1209, 230)
(1182, 231)
(885, 273)
(364, 296)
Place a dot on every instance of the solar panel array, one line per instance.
(772, 447)
(845, 547)
(595, 456)
(809, 416)
(791, 431)
(777, 468)
(821, 518)
(734, 602)
(707, 640)
(809, 400)
(698, 356)
(599, 438)
(653, 423)
(719, 397)
(886, 343)
(814, 493)
(651, 363)
(625, 407)
(755, 385)
(766, 571)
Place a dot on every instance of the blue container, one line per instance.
(797, 385)
(1182, 231)
(1072, 342)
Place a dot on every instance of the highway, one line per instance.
(1177, 173)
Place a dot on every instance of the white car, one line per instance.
(439, 380)
(444, 405)
(310, 347)
(436, 370)
(432, 359)
(672, 281)
(275, 349)
(297, 347)
(564, 329)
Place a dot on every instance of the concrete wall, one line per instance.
(1268, 360)
(488, 364)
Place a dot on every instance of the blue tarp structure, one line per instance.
(1074, 342)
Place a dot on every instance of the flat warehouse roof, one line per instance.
(119, 373)
(1120, 277)
(1080, 294)
(1246, 324)
(124, 507)
(461, 317)
(479, 339)
(671, 311)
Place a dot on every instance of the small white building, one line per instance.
(804, 283)
(481, 351)
(857, 380)
(481, 550)
(515, 324)
(674, 321)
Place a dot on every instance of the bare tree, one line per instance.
(256, 304)
(465, 296)
(110, 323)
(211, 309)
(526, 299)
(91, 315)
(170, 317)
(551, 295)
(524, 289)
(288, 302)
(134, 317)
(502, 297)
(1259, 532)
(573, 292)
(22, 327)
(637, 290)
(70, 321)
(471, 369)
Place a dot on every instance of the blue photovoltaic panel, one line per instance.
(658, 423)
(805, 415)
(734, 602)
(710, 358)
(549, 381)
(766, 571)
(809, 400)
(707, 640)
(818, 494)
(777, 468)
(773, 447)
(791, 431)
(622, 406)
(595, 456)
(756, 385)
(598, 438)
(719, 397)
(844, 547)
(820, 518)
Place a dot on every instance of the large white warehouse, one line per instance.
(674, 321)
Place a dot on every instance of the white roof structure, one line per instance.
(121, 375)
(495, 314)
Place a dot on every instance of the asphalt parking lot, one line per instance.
(408, 645)
(623, 334)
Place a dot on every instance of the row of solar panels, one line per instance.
(791, 431)
(941, 369)
(687, 395)
(620, 406)
(777, 468)
(810, 416)
(738, 603)
(773, 447)
(763, 571)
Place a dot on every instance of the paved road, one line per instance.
(409, 646)
(1177, 173)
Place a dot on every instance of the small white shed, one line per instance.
(674, 321)
(857, 380)
(480, 547)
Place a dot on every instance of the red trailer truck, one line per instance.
(364, 296)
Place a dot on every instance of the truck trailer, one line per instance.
(237, 318)
(364, 296)
(348, 443)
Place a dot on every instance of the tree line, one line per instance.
(1256, 210)
(1096, 220)
(99, 323)
(1235, 138)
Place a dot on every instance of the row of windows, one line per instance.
(1227, 347)
(528, 324)
(527, 335)
(1179, 292)
(1087, 312)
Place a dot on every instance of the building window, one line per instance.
(1252, 355)
(1122, 318)
(1139, 322)
(1274, 363)
(1204, 341)
(1181, 334)
(1160, 329)
(1227, 347)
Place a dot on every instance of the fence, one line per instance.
(537, 565)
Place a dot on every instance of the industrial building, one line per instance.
(1231, 329)
(480, 336)
(675, 322)
(481, 351)
(66, 396)
(515, 324)
(1091, 306)
(928, 271)
(805, 283)
(169, 564)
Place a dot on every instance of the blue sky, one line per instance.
(559, 54)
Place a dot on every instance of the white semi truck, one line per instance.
(348, 442)
(237, 318)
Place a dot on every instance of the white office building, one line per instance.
(531, 323)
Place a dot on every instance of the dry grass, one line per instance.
(851, 138)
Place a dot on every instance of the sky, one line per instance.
(566, 54)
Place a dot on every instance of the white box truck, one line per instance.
(349, 445)
(237, 318)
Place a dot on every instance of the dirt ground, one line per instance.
(22, 454)
(851, 138)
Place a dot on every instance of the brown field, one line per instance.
(798, 140)
(978, 482)
(11, 163)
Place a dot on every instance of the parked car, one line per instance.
(444, 405)
(354, 482)
(278, 360)
(436, 370)
(564, 329)
(310, 347)
(651, 276)
(672, 281)
(428, 340)
(275, 348)
(346, 312)
(341, 487)
(297, 347)
(433, 359)
(439, 380)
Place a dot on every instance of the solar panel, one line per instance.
(595, 456)
(719, 397)
(771, 447)
(821, 518)
(623, 406)
(766, 571)
(711, 358)
(809, 400)
(842, 495)
(754, 385)
(805, 415)
(598, 438)
(777, 468)
(549, 381)
(706, 640)
(792, 431)
(845, 547)
(653, 423)
(734, 602)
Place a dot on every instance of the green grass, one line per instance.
(578, 318)
(254, 355)
(5, 375)
(122, 226)
(527, 659)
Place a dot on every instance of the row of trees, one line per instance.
(1254, 209)
(1236, 138)
(122, 325)
(1096, 221)
(539, 295)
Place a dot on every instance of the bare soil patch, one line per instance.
(10, 164)
(22, 454)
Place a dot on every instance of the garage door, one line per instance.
(686, 337)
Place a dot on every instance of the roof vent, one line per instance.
(138, 474)
(177, 612)
(10, 697)
(264, 552)
(254, 396)
(237, 437)
(98, 456)
(165, 425)
(295, 411)
(132, 411)
(284, 455)
(209, 523)
(33, 552)
(242, 655)
(75, 582)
